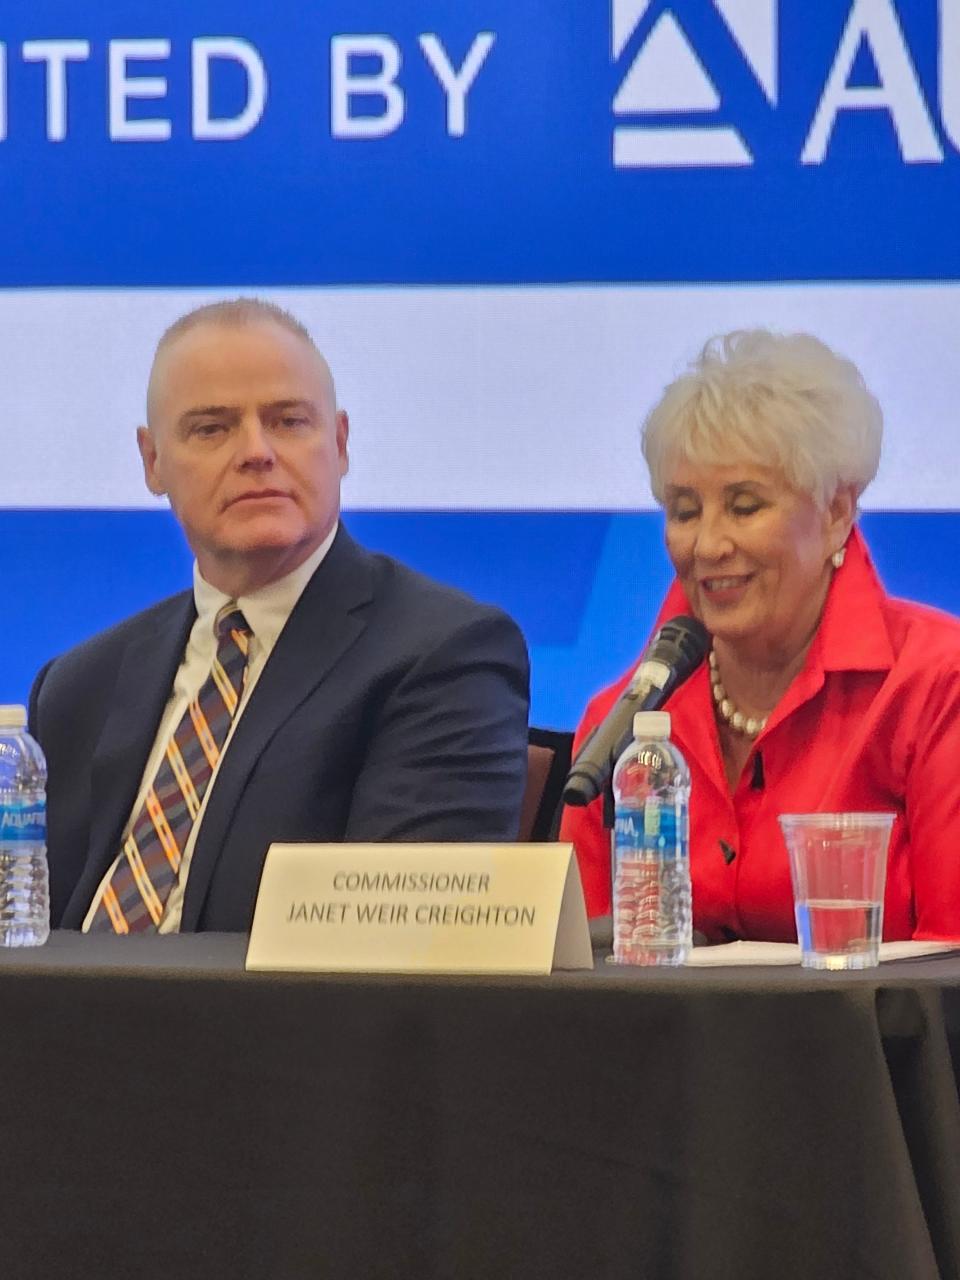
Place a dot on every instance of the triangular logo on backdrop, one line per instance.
(666, 75)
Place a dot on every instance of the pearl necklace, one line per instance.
(749, 726)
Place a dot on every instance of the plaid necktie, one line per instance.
(147, 868)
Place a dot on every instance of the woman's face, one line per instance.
(752, 554)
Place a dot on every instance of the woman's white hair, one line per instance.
(778, 400)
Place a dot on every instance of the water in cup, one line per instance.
(833, 927)
(838, 865)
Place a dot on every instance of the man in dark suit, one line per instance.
(306, 689)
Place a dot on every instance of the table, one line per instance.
(163, 1113)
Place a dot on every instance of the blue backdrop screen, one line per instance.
(508, 223)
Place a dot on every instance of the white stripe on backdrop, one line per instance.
(473, 398)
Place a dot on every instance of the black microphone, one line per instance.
(674, 653)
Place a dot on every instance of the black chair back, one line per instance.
(548, 763)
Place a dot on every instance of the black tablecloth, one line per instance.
(163, 1113)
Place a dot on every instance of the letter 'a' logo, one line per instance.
(667, 77)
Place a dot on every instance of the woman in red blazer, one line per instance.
(822, 693)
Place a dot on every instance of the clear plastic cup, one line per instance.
(838, 863)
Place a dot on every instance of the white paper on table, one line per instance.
(746, 953)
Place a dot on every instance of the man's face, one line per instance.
(246, 441)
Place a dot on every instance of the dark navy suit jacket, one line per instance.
(391, 708)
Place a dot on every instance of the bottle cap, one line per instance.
(651, 724)
(13, 717)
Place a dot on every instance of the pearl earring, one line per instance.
(838, 557)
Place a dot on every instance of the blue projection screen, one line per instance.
(508, 223)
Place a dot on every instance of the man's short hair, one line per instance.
(235, 312)
(232, 313)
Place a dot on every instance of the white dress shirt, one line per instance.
(266, 612)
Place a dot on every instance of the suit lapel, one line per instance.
(322, 627)
(146, 676)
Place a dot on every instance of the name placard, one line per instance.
(420, 908)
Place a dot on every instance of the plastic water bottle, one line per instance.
(24, 880)
(652, 915)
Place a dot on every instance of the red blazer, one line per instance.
(871, 723)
